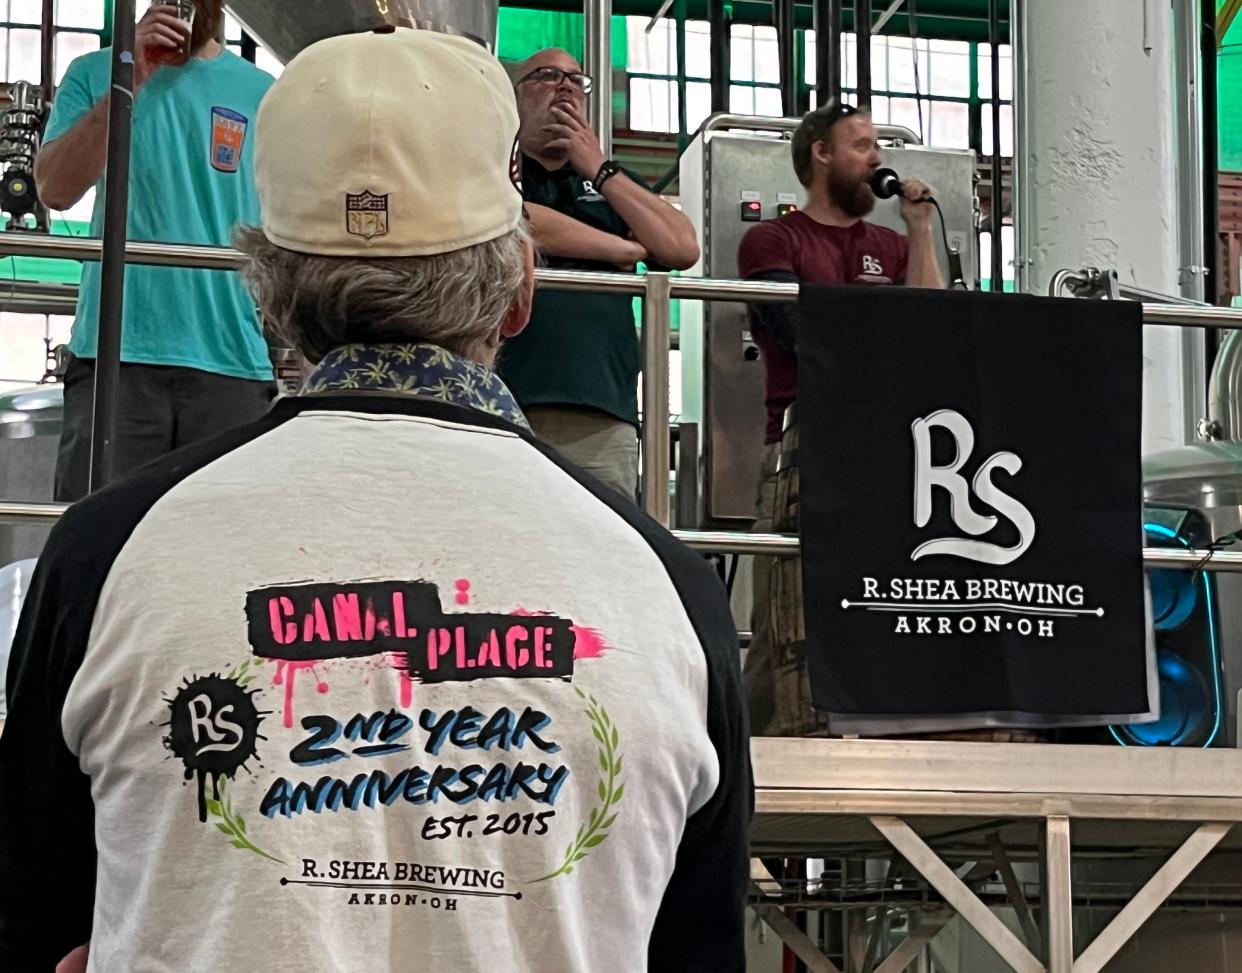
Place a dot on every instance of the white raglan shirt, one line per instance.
(385, 688)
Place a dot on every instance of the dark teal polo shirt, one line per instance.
(579, 349)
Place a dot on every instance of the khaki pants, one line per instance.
(778, 686)
(602, 445)
(757, 673)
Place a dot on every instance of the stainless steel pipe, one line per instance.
(734, 542)
(597, 55)
(657, 291)
(656, 437)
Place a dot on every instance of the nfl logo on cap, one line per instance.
(366, 214)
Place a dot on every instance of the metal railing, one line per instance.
(730, 542)
(656, 290)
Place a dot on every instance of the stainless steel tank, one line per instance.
(1224, 419)
(286, 28)
(30, 421)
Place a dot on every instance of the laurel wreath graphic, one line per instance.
(235, 825)
(595, 832)
(227, 822)
(241, 674)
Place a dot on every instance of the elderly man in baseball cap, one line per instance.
(377, 683)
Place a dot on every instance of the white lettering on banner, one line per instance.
(927, 476)
(974, 606)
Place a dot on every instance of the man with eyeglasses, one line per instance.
(575, 368)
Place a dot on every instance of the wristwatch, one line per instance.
(606, 172)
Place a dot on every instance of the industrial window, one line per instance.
(263, 58)
(1006, 97)
(921, 84)
(79, 25)
(1007, 257)
(26, 338)
(754, 87)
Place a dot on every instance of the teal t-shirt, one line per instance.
(191, 181)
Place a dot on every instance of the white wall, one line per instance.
(1100, 170)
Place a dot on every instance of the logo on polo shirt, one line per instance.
(871, 265)
(366, 214)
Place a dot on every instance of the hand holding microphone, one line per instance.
(915, 195)
(885, 183)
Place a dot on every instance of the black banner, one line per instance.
(970, 506)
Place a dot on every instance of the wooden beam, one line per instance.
(1224, 20)
(793, 937)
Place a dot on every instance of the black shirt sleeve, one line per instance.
(780, 321)
(47, 836)
(700, 927)
(701, 923)
(47, 815)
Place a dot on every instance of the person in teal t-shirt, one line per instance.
(194, 360)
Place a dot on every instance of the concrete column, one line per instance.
(1098, 169)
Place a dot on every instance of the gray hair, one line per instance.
(456, 300)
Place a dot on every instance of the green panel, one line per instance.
(40, 269)
(522, 32)
(949, 19)
(1229, 97)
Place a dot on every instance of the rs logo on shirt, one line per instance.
(213, 731)
(871, 265)
(589, 193)
(228, 135)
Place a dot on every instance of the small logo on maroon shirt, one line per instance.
(872, 271)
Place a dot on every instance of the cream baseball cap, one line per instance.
(388, 144)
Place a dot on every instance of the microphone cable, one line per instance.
(956, 277)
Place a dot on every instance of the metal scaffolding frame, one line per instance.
(812, 794)
(656, 290)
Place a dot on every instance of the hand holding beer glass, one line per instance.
(163, 37)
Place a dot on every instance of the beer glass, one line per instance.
(183, 10)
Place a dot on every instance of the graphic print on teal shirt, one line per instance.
(191, 181)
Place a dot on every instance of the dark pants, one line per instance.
(159, 408)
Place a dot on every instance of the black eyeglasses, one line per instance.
(583, 82)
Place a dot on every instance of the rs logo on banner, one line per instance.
(1009, 590)
(949, 478)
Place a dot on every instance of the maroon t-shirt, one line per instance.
(863, 254)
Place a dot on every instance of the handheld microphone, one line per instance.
(885, 184)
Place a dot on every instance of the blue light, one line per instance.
(1174, 668)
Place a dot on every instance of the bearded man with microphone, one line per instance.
(836, 157)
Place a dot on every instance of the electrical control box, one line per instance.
(725, 173)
